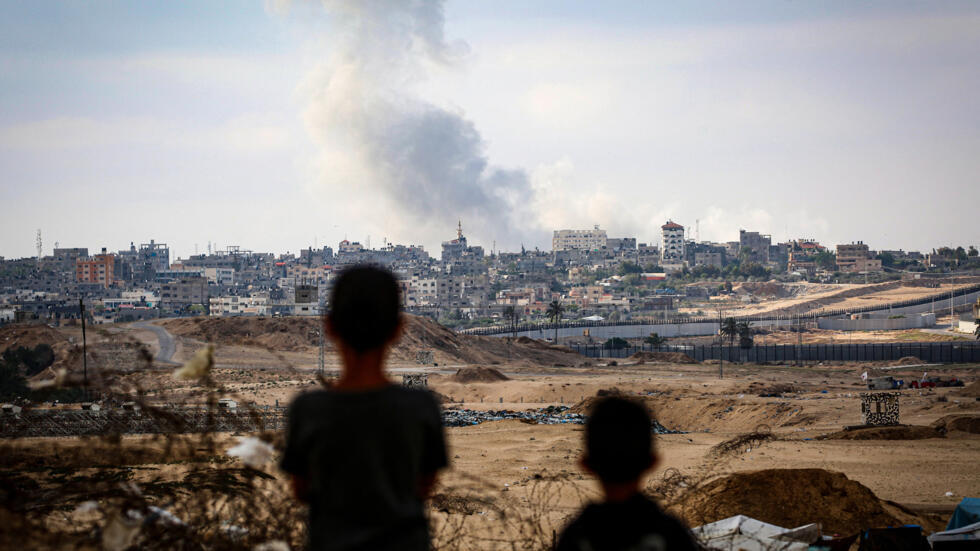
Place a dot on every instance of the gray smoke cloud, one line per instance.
(416, 165)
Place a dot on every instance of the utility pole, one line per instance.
(81, 314)
(951, 301)
(320, 368)
(721, 349)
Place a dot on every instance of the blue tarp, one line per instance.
(966, 513)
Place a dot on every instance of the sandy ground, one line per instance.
(829, 296)
(511, 480)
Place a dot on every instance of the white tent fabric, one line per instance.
(743, 533)
(593, 318)
(970, 532)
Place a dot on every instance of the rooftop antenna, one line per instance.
(38, 243)
(697, 230)
(459, 229)
(209, 248)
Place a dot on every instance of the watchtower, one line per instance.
(879, 408)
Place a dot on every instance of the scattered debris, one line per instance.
(198, 366)
(252, 451)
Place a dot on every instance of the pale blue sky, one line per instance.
(222, 121)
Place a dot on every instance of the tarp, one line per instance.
(956, 539)
(748, 534)
(902, 538)
(593, 318)
(966, 513)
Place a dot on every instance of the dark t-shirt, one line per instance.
(364, 453)
(636, 524)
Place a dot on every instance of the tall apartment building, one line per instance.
(672, 244)
(589, 240)
(856, 258)
(179, 294)
(754, 246)
(67, 257)
(98, 269)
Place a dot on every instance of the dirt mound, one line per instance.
(662, 357)
(479, 375)
(585, 406)
(29, 336)
(898, 432)
(771, 390)
(909, 360)
(963, 423)
(768, 289)
(789, 497)
(283, 334)
(971, 390)
(299, 334)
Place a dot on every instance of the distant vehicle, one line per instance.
(885, 383)
(934, 382)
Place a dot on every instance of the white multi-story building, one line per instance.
(426, 291)
(136, 297)
(672, 245)
(590, 240)
(220, 276)
(239, 306)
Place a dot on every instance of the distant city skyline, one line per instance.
(271, 124)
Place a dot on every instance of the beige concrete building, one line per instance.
(856, 257)
(590, 240)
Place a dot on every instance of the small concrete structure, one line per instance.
(227, 404)
(415, 380)
(10, 409)
(879, 408)
(91, 406)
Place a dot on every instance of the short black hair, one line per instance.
(365, 307)
(618, 440)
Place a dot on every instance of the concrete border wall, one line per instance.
(878, 323)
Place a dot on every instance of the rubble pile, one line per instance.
(551, 415)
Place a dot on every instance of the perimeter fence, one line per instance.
(822, 313)
(927, 352)
(80, 422)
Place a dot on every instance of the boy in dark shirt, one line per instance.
(619, 450)
(364, 454)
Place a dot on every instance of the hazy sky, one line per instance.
(272, 124)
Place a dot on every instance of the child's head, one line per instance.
(618, 441)
(364, 309)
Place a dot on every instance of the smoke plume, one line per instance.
(402, 164)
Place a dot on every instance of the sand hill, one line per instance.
(792, 497)
(421, 334)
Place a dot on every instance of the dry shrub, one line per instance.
(475, 514)
(175, 489)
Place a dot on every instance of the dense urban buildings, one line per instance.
(586, 270)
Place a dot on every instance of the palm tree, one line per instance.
(554, 312)
(510, 314)
(655, 340)
(729, 328)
